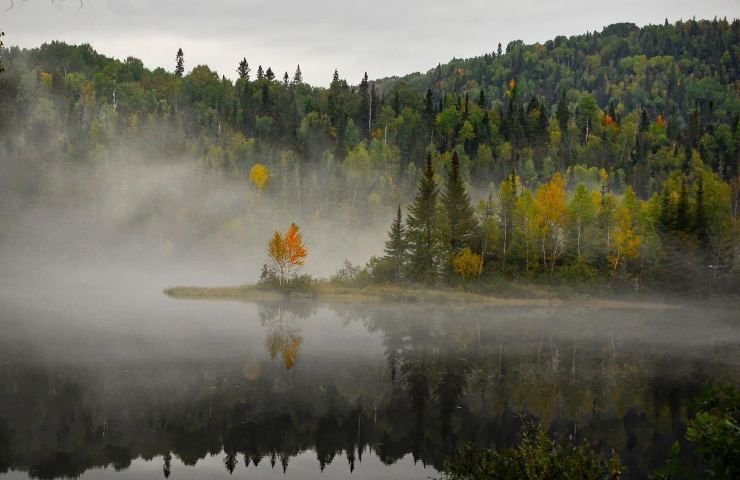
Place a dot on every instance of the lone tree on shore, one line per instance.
(287, 254)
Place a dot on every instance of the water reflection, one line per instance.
(419, 382)
(283, 331)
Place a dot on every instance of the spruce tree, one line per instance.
(298, 76)
(396, 247)
(498, 50)
(285, 80)
(700, 219)
(269, 74)
(421, 227)
(461, 222)
(563, 115)
(363, 117)
(260, 73)
(666, 209)
(482, 99)
(243, 70)
(682, 208)
(179, 63)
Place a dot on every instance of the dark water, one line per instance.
(103, 383)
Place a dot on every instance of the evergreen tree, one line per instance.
(563, 115)
(460, 216)
(482, 99)
(2, 34)
(396, 247)
(260, 73)
(421, 227)
(374, 105)
(297, 76)
(700, 218)
(179, 63)
(243, 70)
(644, 121)
(363, 117)
(286, 80)
(498, 50)
(666, 209)
(682, 208)
(269, 74)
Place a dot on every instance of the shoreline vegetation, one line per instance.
(523, 295)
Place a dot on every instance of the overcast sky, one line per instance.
(383, 38)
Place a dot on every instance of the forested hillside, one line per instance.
(647, 118)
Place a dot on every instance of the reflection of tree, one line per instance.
(625, 400)
(230, 461)
(284, 335)
(167, 468)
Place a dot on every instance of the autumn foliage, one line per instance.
(287, 253)
(259, 175)
(467, 264)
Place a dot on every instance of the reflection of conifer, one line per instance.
(230, 462)
(167, 468)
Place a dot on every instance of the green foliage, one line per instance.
(459, 215)
(396, 248)
(536, 457)
(422, 228)
(715, 429)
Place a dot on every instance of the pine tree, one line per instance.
(682, 208)
(666, 209)
(260, 73)
(396, 247)
(298, 76)
(498, 50)
(2, 69)
(363, 117)
(644, 121)
(421, 227)
(482, 99)
(700, 218)
(286, 80)
(461, 222)
(563, 115)
(243, 70)
(374, 106)
(269, 74)
(179, 63)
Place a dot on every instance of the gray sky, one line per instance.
(381, 37)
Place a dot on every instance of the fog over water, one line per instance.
(101, 375)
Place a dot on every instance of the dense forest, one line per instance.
(612, 154)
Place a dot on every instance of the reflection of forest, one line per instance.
(441, 384)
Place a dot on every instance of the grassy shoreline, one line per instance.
(328, 292)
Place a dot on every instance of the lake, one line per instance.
(102, 381)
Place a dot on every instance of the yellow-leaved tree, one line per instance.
(626, 242)
(259, 175)
(467, 264)
(551, 216)
(287, 253)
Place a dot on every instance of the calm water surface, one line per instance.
(98, 381)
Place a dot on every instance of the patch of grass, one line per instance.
(525, 295)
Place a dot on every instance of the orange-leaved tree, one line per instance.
(287, 253)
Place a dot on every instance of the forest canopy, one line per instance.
(612, 152)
